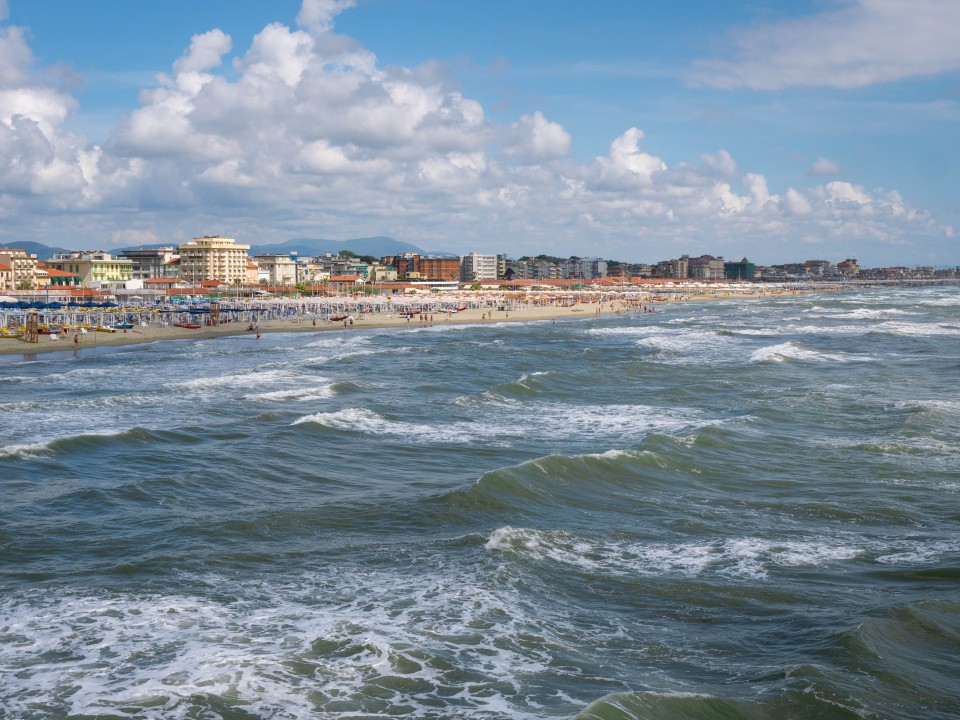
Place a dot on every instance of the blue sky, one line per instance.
(781, 131)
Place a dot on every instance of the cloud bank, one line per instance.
(308, 135)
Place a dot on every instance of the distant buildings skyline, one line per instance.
(223, 262)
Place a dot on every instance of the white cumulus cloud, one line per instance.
(317, 15)
(205, 52)
(824, 167)
(533, 139)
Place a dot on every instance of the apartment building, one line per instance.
(277, 269)
(475, 267)
(23, 268)
(213, 257)
(92, 266)
(705, 267)
(150, 263)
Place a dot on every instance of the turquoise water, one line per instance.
(723, 510)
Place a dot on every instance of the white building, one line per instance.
(475, 267)
(277, 269)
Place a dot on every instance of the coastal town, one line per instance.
(214, 265)
(212, 286)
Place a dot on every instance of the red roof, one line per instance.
(5, 268)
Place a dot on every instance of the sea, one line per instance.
(732, 509)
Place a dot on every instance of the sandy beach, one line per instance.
(154, 332)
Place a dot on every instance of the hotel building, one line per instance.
(213, 258)
(23, 268)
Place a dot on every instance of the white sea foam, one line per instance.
(42, 448)
(368, 422)
(619, 421)
(796, 351)
(38, 449)
(309, 647)
(760, 332)
(316, 392)
(919, 329)
(248, 378)
(676, 345)
(918, 552)
(746, 558)
(526, 377)
(520, 420)
(22, 379)
(950, 301)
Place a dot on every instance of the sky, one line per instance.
(778, 130)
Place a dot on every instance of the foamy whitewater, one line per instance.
(718, 510)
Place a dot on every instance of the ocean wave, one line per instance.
(23, 379)
(301, 393)
(527, 386)
(85, 441)
(613, 558)
(751, 558)
(796, 351)
(369, 422)
(25, 450)
(691, 347)
(647, 705)
(235, 380)
(950, 301)
(676, 346)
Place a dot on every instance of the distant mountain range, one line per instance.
(308, 247)
(304, 247)
(43, 252)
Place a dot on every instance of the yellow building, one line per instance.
(23, 268)
(92, 266)
(213, 258)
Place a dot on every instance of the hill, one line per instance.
(304, 247)
(308, 247)
(43, 252)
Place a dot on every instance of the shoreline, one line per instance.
(74, 341)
